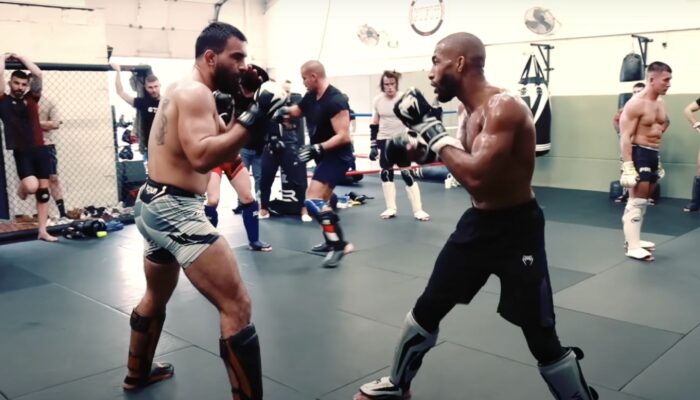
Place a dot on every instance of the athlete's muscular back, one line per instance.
(187, 113)
(645, 119)
(500, 136)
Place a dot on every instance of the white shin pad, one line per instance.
(389, 189)
(413, 193)
(632, 222)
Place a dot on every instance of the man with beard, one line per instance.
(146, 106)
(503, 231)
(19, 112)
(188, 140)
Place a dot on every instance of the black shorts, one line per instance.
(53, 158)
(508, 243)
(32, 162)
(383, 162)
(646, 162)
(331, 170)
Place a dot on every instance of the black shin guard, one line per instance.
(241, 354)
(331, 229)
(145, 332)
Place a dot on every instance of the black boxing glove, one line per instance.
(404, 148)
(373, 132)
(415, 112)
(310, 152)
(267, 100)
(253, 77)
(224, 105)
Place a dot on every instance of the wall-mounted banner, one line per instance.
(426, 16)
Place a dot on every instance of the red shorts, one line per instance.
(230, 168)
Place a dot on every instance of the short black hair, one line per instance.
(639, 85)
(658, 66)
(215, 36)
(19, 74)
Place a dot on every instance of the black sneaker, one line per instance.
(260, 246)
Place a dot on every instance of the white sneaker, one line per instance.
(263, 216)
(306, 218)
(382, 388)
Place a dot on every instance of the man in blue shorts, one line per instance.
(328, 121)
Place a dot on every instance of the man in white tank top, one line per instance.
(385, 125)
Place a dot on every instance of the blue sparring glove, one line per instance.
(267, 100)
(415, 112)
(310, 152)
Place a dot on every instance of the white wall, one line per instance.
(295, 33)
(53, 35)
(169, 29)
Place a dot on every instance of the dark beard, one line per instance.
(225, 81)
(447, 88)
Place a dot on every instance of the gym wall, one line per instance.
(584, 85)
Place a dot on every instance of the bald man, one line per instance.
(503, 231)
(328, 121)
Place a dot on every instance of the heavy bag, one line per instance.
(534, 92)
(632, 68)
(293, 179)
(622, 99)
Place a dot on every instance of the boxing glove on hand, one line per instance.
(276, 145)
(373, 152)
(629, 177)
(269, 98)
(415, 112)
(403, 149)
(224, 105)
(253, 77)
(310, 152)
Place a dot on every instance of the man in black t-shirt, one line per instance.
(146, 106)
(328, 120)
(19, 112)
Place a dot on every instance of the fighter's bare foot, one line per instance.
(45, 236)
(21, 194)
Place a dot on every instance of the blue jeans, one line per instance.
(254, 159)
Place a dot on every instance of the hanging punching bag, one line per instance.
(622, 99)
(534, 92)
(632, 68)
